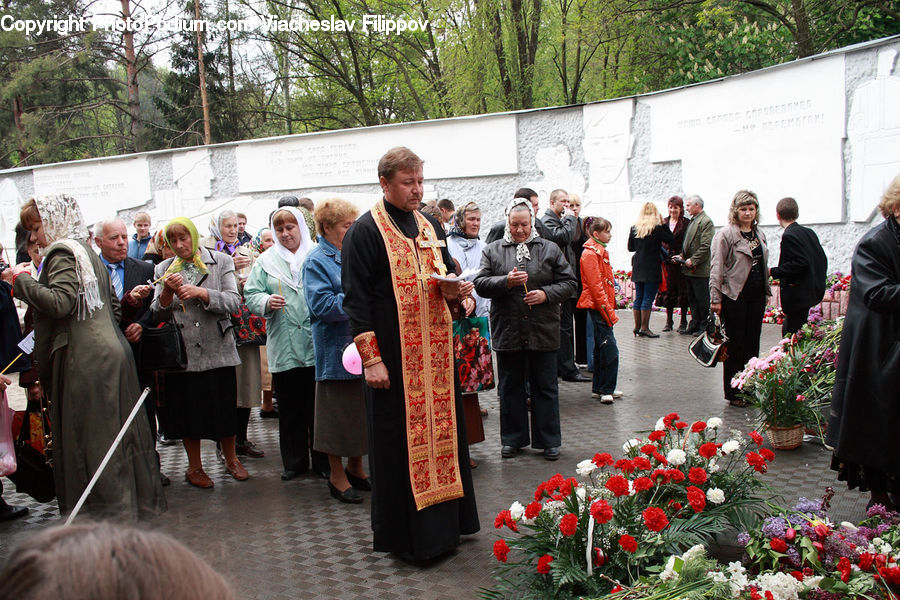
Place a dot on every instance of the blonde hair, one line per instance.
(141, 216)
(743, 198)
(890, 202)
(647, 221)
(333, 211)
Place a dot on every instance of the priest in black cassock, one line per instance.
(422, 497)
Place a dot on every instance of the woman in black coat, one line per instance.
(645, 240)
(865, 412)
(676, 292)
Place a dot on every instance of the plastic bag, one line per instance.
(7, 444)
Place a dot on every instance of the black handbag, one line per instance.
(34, 470)
(162, 348)
(710, 347)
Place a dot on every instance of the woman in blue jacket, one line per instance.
(340, 423)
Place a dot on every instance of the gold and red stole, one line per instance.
(426, 338)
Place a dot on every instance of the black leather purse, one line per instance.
(34, 471)
(162, 348)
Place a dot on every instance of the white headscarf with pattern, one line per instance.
(522, 252)
(64, 227)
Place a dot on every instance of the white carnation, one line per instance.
(715, 495)
(676, 457)
(713, 466)
(714, 423)
(660, 425)
(585, 467)
(632, 443)
(693, 552)
(516, 510)
(669, 573)
(730, 446)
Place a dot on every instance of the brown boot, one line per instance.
(645, 326)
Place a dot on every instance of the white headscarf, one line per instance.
(522, 252)
(293, 259)
(64, 226)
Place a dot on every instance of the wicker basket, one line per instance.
(785, 438)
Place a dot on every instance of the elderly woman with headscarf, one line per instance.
(274, 290)
(526, 278)
(197, 289)
(223, 237)
(86, 367)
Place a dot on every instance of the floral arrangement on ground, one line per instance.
(795, 554)
(680, 485)
(792, 384)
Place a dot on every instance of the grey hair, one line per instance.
(694, 198)
(225, 214)
(99, 228)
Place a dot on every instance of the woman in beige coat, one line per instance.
(739, 285)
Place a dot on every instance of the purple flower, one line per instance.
(879, 510)
(867, 532)
(743, 538)
(805, 505)
(774, 527)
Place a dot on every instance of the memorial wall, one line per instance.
(824, 130)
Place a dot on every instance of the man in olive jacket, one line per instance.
(696, 255)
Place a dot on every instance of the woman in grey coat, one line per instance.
(197, 288)
(526, 278)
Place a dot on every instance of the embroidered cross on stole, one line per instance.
(427, 355)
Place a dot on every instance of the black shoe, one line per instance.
(358, 482)
(8, 513)
(668, 327)
(166, 440)
(682, 328)
(577, 378)
(288, 474)
(551, 453)
(164, 480)
(349, 495)
(268, 414)
(647, 333)
(323, 473)
(508, 451)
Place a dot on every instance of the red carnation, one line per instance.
(568, 524)
(641, 463)
(616, 589)
(707, 450)
(680, 425)
(533, 510)
(697, 475)
(669, 419)
(655, 518)
(844, 568)
(767, 454)
(543, 566)
(601, 511)
(698, 426)
(628, 543)
(625, 465)
(602, 460)
(501, 518)
(757, 439)
(618, 485)
(696, 498)
(658, 474)
(656, 436)
(778, 545)
(642, 483)
(660, 458)
(599, 557)
(757, 462)
(648, 449)
(675, 475)
(501, 550)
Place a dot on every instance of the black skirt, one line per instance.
(201, 405)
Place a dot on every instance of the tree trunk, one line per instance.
(131, 82)
(201, 71)
(804, 38)
(20, 131)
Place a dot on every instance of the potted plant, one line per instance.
(792, 384)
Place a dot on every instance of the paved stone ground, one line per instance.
(282, 540)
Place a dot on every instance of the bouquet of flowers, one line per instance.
(680, 486)
(793, 382)
(837, 281)
(773, 315)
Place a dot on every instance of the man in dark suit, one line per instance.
(801, 268)
(127, 274)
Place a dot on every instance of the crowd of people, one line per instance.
(267, 317)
